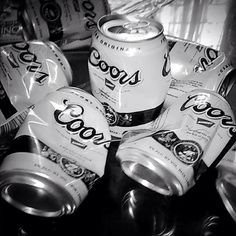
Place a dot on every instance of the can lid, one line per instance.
(35, 194)
(151, 173)
(226, 187)
(129, 28)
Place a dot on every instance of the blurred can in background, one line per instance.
(11, 28)
(57, 155)
(129, 70)
(185, 141)
(56, 20)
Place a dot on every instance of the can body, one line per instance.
(196, 66)
(58, 153)
(129, 71)
(28, 72)
(11, 29)
(56, 20)
(186, 139)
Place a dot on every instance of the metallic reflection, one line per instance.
(201, 21)
(208, 22)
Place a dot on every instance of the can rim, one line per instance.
(102, 20)
(34, 185)
(168, 183)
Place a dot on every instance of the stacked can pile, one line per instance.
(170, 131)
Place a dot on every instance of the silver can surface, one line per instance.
(57, 155)
(28, 72)
(185, 141)
(129, 71)
(197, 66)
(55, 20)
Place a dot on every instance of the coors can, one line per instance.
(57, 20)
(28, 72)
(57, 155)
(185, 141)
(129, 70)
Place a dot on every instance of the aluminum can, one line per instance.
(28, 72)
(55, 20)
(11, 28)
(197, 66)
(226, 181)
(196, 57)
(57, 155)
(129, 71)
(185, 141)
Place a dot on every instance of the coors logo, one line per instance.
(89, 14)
(29, 59)
(71, 118)
(199, 104)
(114, 73)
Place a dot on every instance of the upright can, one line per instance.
(129, 70)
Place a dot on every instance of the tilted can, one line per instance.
(129, 70)
(189, 57)
(57, 155)
(56, 20)
(28, 71)
(197, 66)
(185, 141)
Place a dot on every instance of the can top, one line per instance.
(129, 28)
(151, 173)
(36, 195)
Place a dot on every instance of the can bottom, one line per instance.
(36, 195)
(226, 187)
(151, 173)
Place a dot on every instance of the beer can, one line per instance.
(57, 155)
(56, 20)
(196, 57)
(129, 70)
(28, 71)
(185, 141)
(197, 66)
(226, 181)
(11, 28)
